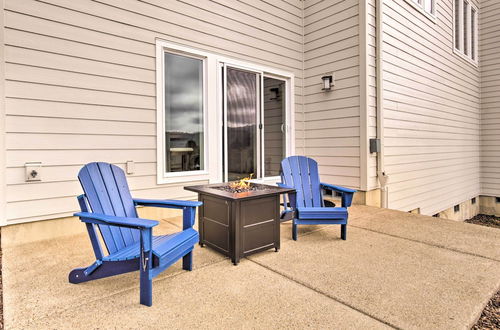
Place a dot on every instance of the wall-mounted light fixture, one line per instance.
(276, 92)
(328, 83)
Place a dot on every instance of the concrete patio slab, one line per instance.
(387, 273)
(407, 284)
(35, 276)
(460, 236)
(219, 296)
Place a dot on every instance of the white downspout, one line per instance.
(382, 176)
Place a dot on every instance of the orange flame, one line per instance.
(241, 184)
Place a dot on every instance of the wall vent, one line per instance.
(473, 200)
(456, 208)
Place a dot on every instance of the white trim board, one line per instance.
(3, 197)
(363, 90)
(212, 109)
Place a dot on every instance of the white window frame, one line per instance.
(419, 5)
(460, 51)
(264, 71)
(212, 111)
(163, 176)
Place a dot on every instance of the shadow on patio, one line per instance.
(395, 270)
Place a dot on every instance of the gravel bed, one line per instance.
(485, 220)
(490, 317)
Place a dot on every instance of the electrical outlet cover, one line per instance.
(33, 171)
(130, 167)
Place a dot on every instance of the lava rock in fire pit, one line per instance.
(235, 189)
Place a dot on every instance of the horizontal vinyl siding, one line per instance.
(431, 112)
(332, 119)
(80, 84)
(489, 51)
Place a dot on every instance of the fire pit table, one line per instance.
(238, 222)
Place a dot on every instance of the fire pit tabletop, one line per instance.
(215, 190)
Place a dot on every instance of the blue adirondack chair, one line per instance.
(128, 238)
(307, 204)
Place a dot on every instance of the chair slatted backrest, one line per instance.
(302, 174)
(107, 192)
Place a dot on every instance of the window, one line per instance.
(473, 33)
(428, 6)
(465, 30)
(219, 117)
(457, 24)
(255, 122)
(182, 104)
(184, 141)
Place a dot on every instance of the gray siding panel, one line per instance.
(332, 119)
(490, 97)
(432, 112)
(80, 84)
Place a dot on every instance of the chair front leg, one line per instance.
(343, 232)
(294, 230)
(145, 267)
(187, 261)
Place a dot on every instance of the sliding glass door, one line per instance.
(254, 132)
(242, 109)
(274, 118)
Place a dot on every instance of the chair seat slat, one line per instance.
(162, 245)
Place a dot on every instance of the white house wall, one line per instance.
(431, 111)
(80, 87)
(490, 97)
(80, 84)
(332, 119)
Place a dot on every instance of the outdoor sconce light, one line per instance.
(327, 83)
(276, 92)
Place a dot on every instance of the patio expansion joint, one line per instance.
(426, 243)
(340, 301)
(130, 288)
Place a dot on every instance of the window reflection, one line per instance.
(242, 110)
(183, 113)
(274, 125)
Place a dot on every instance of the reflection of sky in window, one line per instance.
(183, 94)
(241, 98)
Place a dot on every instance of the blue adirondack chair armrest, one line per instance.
(116, 221)
(347, 193)
(188, 208)
(282, 185)
(168, 203)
